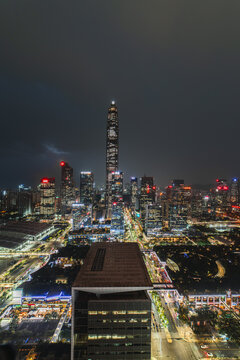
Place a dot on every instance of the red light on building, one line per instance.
(45, 180)
(62, 163)
(217, 180)
(170, 187)
(222, 187)
(154, 187)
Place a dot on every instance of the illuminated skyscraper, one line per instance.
(117, 186)
(179, 204)
(117, 218)
(86, 187)
(24, 200)
(154, 220)
(67, 186)
(134, 191)
(221, 195)
(147, 195)
(112, 152)
(47, 196)
(235, 192)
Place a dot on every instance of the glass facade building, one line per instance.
(154, 220)
(67, 186)
(86, 187)
(147, 196)
(47, 197)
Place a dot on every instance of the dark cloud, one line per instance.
(172, 67)
(52, 149)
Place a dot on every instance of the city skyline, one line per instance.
(120, 180)
(174, 80)
(63, 157)
(54, 153)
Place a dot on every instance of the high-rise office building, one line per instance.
(86, 187)
(197, 204)
(235, 191)
(67, 186)
(25, 206)
(221, 195)
(147, 195)
(116, 195)
(179, 204)
(134, 191)
(111, 307)
(47, 197)
(117, 219)
(9, 200)
(154, 220)
(112, 152)
(116, 187)
(177, 217)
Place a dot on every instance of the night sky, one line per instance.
(173, 68)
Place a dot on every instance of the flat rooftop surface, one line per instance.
(113, 265)
(25, 227)
(11, 242)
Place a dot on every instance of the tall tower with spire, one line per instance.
(112, 152)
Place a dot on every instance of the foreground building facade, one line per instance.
(111, 307)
